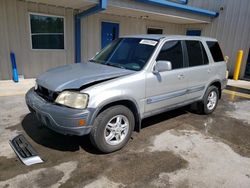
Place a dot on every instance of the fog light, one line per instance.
(81, 122)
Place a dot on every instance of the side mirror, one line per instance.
(162, 66)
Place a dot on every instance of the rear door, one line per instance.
(198, 71)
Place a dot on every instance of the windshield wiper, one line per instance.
(115, 65)
(92, 60)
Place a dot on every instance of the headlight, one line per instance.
(73, 99)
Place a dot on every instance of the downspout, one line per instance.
(93, 10)
(182, 7)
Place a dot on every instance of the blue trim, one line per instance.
(186, 8)
(14, 68)
(77, 39)
(195, 89)
(100, 7)
(166, 96)
(174, 94)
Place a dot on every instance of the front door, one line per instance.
(168, 88)
(110, 31)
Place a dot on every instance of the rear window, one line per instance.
(215, 51)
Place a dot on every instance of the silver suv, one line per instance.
(132, 78)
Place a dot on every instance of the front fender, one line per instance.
(118, 100)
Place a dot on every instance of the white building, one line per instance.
(48, 33)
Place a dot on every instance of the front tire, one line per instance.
(112, 128)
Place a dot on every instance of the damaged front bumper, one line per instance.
(60, 119)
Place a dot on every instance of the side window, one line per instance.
(196, 53)
(215, 51)
(172, 51)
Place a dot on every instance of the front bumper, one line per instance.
(60, 119)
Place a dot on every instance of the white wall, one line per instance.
(15, 36)
(231, 28)
(91, 30)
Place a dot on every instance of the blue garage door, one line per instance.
(194, 32)
(110, 31)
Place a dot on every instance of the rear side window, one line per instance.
(196, 53)
(215, 51)
(172, 51)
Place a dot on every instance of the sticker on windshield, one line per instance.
(148, 42)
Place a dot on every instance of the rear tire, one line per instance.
(112, 129)
(210, 101)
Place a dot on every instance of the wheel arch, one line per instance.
(132, 105)
(217, 84)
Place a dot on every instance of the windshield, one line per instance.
(127, 53)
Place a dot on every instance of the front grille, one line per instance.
(24, 150)
(46, 94)
(23, 147)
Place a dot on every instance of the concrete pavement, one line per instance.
(174, 149)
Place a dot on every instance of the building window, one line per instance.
(154, 31)
(193, 32)
(47, 32)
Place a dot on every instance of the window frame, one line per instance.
(183, 53)
(49, 15)
(186, 53)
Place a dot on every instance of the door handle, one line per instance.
(208, 70)
(180, 76)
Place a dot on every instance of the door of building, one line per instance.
(247, 71)
(110, 31)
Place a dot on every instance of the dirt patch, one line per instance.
(211, 162)
(43, 177)
(48, 177)
(133, 168)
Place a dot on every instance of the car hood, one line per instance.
(74, 76)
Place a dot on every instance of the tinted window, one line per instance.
(215, 51)
(47, 32)
(196, 53)
(172, 51)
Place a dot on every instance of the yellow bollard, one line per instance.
(238, 64)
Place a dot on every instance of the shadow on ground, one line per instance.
(45, 137)
(48, 138)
